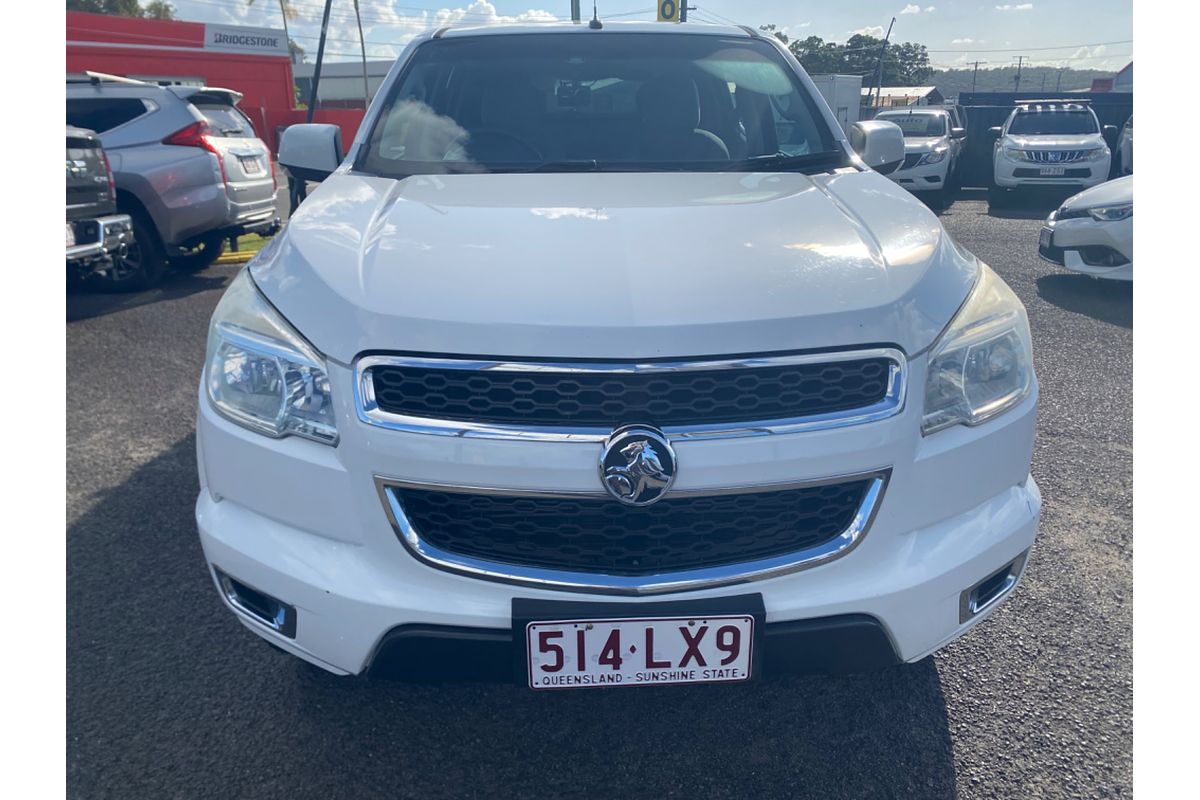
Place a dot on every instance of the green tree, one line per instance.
(159, 9)
(771, 29)
(904, 64)
(298, 53)
(118, 8)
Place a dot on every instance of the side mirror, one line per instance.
(996, 132)
(311, 152)
(958, 133)
(879, 144)
(1110, 134)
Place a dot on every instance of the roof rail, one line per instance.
(95, 78)
(1062, 101)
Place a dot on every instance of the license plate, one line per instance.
(251, 166)
(1046, 239)
(1053, 172)
(606, 653)
(70, 235)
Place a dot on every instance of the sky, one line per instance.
(1084, 34)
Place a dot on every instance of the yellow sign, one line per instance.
(668, 10)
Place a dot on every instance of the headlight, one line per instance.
(983, 364)
(1098, 154)
(261, 374)
(1015, 154)
(932, 157)
(1111, 213)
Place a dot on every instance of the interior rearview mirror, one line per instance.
(879, 144)
(311, 152)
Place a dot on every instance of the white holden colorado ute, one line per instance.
(604, 359)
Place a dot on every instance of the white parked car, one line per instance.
(606, 354)
(1050, 143)
(1092, 232)
(1125, 148)
(931, 148)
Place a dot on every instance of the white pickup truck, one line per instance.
(606, 358)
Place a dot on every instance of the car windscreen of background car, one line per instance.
(1043, 123)
(917, 125)
(613, 100)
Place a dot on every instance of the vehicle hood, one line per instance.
(613, 265)
(1112, 193)
(1081, 142)
(924, 144)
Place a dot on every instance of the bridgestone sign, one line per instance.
(237, 39)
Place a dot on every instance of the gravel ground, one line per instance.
(169, 697)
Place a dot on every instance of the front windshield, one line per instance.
(918, 125)
(595, 101)
(1054, 122)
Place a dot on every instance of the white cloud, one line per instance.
(871, 30)
(911, 8)
(386, 30)
(1015, 7)
(930, 9)
(966, 40)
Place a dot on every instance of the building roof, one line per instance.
(901, 91)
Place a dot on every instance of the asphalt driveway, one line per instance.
(168, 696)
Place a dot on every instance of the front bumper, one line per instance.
(1010, 174)
(98, 241)
(303, 523)
(924, 178)
(1075, 244)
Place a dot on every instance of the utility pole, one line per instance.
(683, 9)
(312, 98)
(576, 12)
(1020, 63)
(297, 189)
(1058, 88)
(879, 63)
(975, 77)
(1043, 83)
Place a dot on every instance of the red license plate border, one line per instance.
(527, 611)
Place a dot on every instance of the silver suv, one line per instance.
(189, 170)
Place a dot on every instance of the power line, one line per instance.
(1014, 49)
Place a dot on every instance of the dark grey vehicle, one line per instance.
(97, 236)
(190, 170)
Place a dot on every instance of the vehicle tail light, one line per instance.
(112, 183)
(274, 180)
(198, 135)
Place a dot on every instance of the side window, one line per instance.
(102, 114)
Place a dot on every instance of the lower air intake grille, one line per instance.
(602, 536)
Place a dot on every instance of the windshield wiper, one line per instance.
(577, 165)
(782, 162)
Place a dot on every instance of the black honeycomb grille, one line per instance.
(603, 536)
(663, 399)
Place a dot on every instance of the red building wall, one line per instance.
(144, 47)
